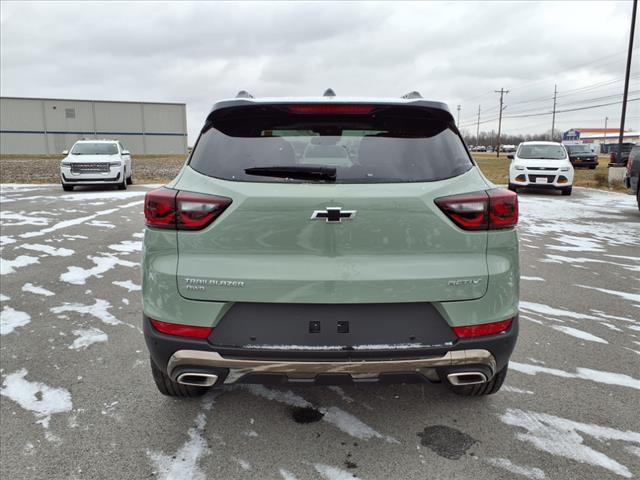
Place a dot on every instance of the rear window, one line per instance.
(541, 151)
(387, 145)
(579, 148)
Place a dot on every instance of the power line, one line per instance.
(538, 114)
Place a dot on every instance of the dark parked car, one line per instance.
(632, 177)
(581, 155)
(619, 158)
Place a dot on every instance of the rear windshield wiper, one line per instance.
(302, 172)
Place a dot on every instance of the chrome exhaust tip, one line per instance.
(467, 378)
(196, 379)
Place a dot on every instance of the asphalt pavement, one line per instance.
(78, 400)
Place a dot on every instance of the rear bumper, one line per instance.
(177, 356)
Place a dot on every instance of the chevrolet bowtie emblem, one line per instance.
(333, 214)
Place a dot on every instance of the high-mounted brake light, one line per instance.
(483, 329)
(485, 210)
(181, 330)
(166, 208)
(332, 109)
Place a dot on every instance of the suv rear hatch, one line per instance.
(282, 240)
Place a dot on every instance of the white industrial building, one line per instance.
(47, 126)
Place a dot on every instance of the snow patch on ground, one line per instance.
(129, 285)
(185, 463)
(633, 297)
(286, 475)
(79, 275)
(36, 397)
(576, 261)
(507, 388)
(10, 266)
(11, 319)
(127, 246)
(351, 425)
(101, 223)
(87, 337)
(6, 240)
(574, 332)
(543, 309)
(78, 221)
(335, 416)
(341, 393)
(562, 437)
(48, 250)
(98, 310)
(106, 195)
(4, 298)
(243, 463)
(31, 288)
(608, 378)
(334, 473)
(20, 219)
(532, 279)
(506, 464)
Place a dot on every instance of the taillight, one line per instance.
(166, 208)
(483, 329)
(612, 157)
(181, 330)
(160, 208)
(630, 164)
(332, 109)
(484, 210)
(503, 208)
(196, 211)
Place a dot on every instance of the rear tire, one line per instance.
(592, 167)
(67, 188)
(130, 179)
(168, 387)
(566, 191)
(488, 388)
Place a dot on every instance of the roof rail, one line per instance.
(244, 94)
(329, 93)
(411, 95)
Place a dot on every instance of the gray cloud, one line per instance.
(200, 52)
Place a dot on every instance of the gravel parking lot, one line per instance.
(78, 400)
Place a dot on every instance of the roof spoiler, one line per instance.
(244, 94)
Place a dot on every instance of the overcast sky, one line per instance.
(458, 53)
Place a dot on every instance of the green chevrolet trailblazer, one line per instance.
(326, 241)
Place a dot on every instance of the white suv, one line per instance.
(541, 165)
(92, 162)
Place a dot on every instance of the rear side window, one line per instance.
(384, 145)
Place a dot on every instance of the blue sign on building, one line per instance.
(571, 135)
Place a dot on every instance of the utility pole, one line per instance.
(478, 128)
(626, 79)
(553, 119)
(458, 116)
(606, 119)
(502, 91)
